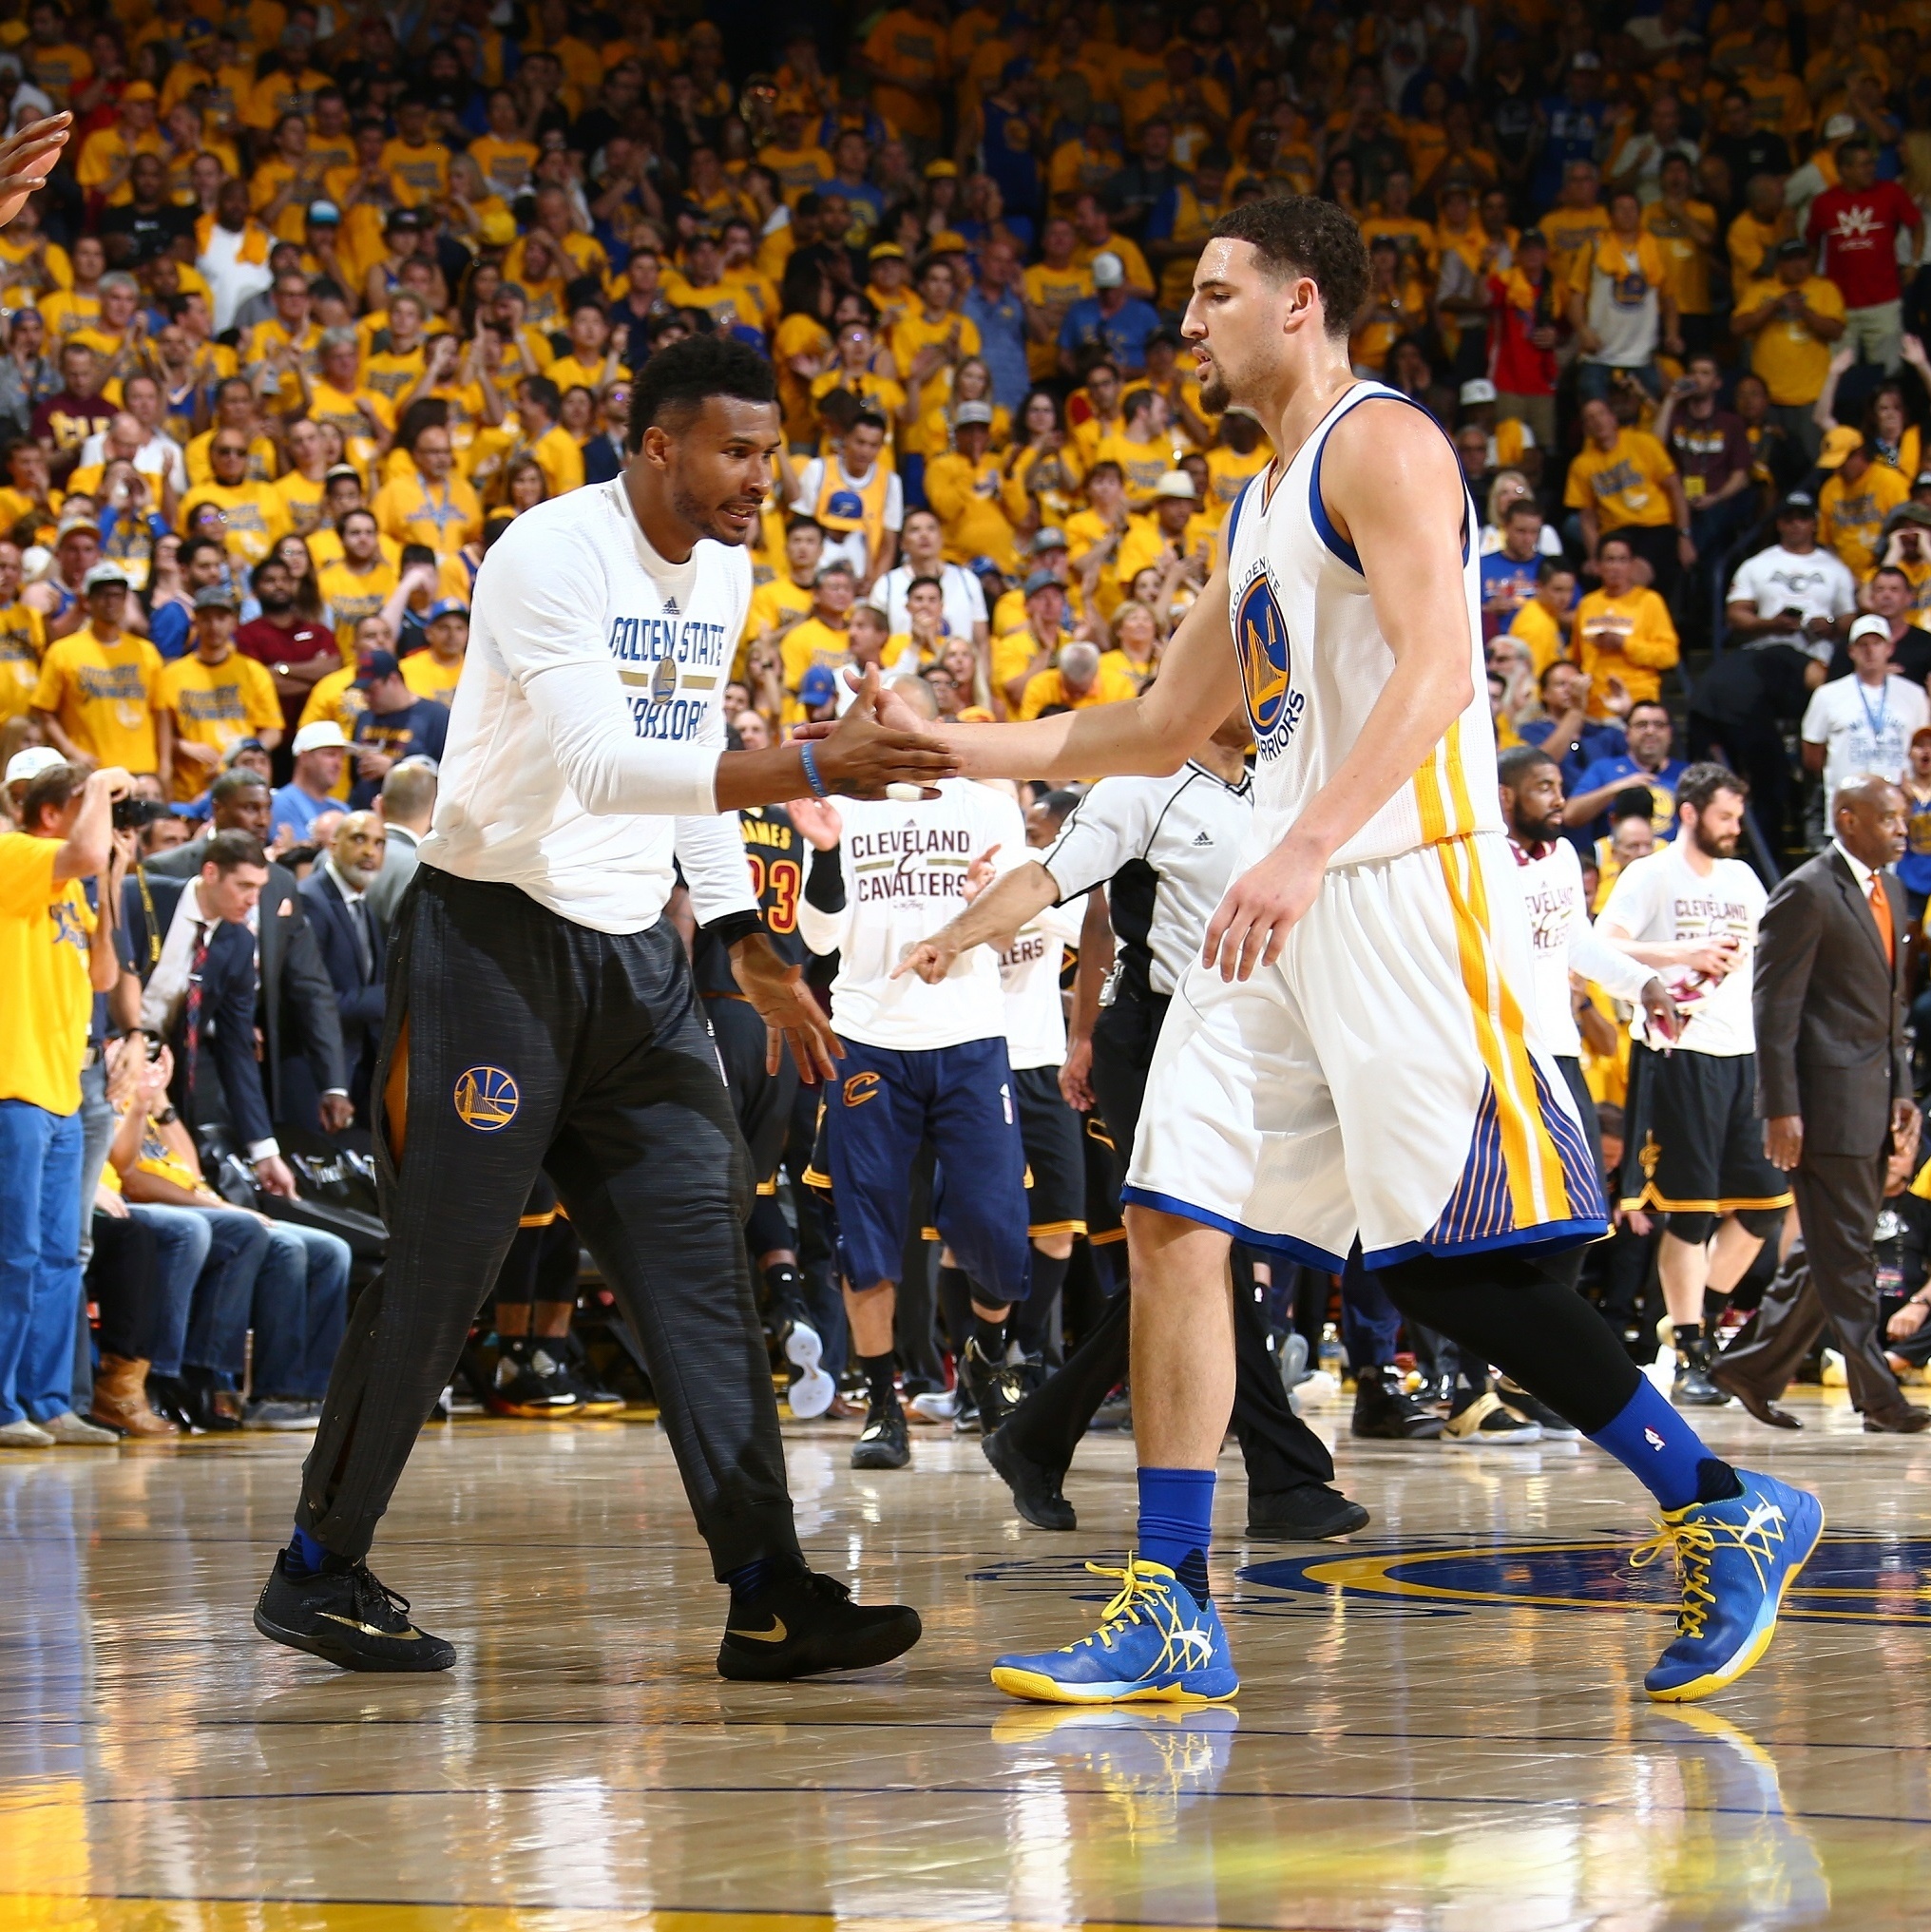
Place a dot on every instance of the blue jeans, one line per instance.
(40, 1260)
(1370, 1324)
(300, 1307)
(209, 1258)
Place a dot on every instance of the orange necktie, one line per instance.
(1881, 911)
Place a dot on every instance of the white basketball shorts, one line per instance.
(1382, 1080)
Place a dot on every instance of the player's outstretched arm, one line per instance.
(991, 919)
(1393, 487)
(26, 158)
(1152, 734)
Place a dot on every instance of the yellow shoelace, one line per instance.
(1136, 1586)
(1692, 1545)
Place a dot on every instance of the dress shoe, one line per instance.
(1908, 1420)
(1759, 1406)
(121, 1398)
(1311, 1513)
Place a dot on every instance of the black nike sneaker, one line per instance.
(883, 1442)
(528, 1386)
(343, 1615)
(995, 1388)
(1035, 1488)
(1384, 1411)
(801, 1622)
(1308, 1514)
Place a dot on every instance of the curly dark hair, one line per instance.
(1304, 235)
(675, 381)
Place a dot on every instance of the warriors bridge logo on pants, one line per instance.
(1260, 644)
(486, 1099)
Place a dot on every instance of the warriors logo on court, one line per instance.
(1260, 642)
(486, 1099)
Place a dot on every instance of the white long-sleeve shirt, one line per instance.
(1564, 942)
(905, 874)
(584, 740)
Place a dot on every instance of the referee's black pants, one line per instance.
(517, 1040)
(1280, 1450)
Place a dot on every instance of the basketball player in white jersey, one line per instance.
(1356, 1056)
(542, 1016)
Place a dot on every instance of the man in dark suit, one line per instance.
(1834, 1092)
(353, 943)
(301, 1032)
(198, 991)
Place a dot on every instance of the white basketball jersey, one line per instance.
(1314, 664)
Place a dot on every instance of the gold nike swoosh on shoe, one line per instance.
(410, 1635)
(776, 1634)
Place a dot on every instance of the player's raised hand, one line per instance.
(818, 821)
(26, 158)
(980, 875)
(1260, 909)
(792, 1017)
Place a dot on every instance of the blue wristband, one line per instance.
(810, 764)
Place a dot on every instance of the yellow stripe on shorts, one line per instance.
(1538, 1189)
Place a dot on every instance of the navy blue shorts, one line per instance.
(878, 1111)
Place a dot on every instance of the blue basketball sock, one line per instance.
(304, 1554)
(1660, 1449)
(1177, 1523)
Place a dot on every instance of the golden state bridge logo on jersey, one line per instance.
(1260, 642)
(1851, 1579)
(486, 1099)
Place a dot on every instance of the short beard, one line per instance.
(702, 518)
(1713, 847)
(1528, 832)
(1215, 397)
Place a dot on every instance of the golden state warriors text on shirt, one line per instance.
(680, 665)
(1313, 662)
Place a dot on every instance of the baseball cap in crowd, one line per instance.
(972, 412)
(1049, 539)
(819, 685)
(1845, 440)
(139, 90)
(1041, 580)
(325, 214)
(401, 218)
(1532, 238)
(1799, 503)
(1108, 271)
(324, 734)
(104, 576)
(942, 171)
(448, 606)
(212, 597)
(949, 241)
(985, 567)
(1871, 626)
(1479, 391)
(1176, 483)
(1840, 128)
(336, 472)
(23, 768)
(1792, 250)
(498, 228)
(372, 667)
(82, 519)
(239, 749)
(886, 251)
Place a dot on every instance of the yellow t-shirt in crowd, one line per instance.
(23, 643)
(1046, 688)
(216, 704)
(1851, 516)
(255, 517)
(351, 595)
(1791, 359)
(44, 929)
(812, 643)
(1532, 627)
(429, 676)
(1629, 636)
(103, 695)
(1624, 483)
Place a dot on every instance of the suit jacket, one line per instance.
(297, 1001)
(398, 867)
(1829, 1011)
(229, 1002)
(358, 1000)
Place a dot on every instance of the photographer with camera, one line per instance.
(55, 955)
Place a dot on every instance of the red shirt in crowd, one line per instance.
(1516, 366)
(299, 643)
(1859, 229)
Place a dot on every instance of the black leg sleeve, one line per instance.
(1512, 1311)
(1280, 1450)
(1047, 1425)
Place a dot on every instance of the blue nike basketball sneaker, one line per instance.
(1154, 1645)
(1735, 1559)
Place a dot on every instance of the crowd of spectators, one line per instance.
(321, 298)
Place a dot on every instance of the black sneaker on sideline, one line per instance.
(802, 1623)
(531, 1390)
(883, 1443)
(1694, 1387)
(343, 1615)
(996, 1388)
(576, 1376)
(1384, 1411)
(1308, 1514)
(1035, 1488)
(1553, 1427)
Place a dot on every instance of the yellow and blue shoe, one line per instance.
(1736, 1560)
(1154, 1645)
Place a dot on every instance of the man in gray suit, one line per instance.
(1834, 1092)
(407, 805)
